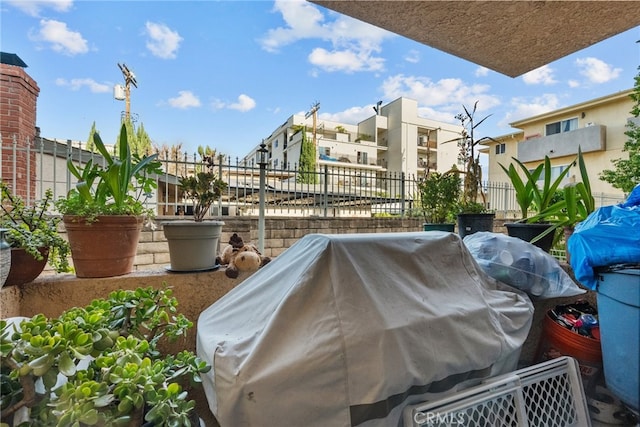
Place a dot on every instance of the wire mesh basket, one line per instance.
(549, 394)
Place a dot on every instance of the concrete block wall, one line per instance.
(280, 234)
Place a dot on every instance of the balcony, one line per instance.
(589, 138)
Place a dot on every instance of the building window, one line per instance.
(276, 143)
(562, 126)
(555, 173)
(362, 158)
(500, 148)
(275, 163)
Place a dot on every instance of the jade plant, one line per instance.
(100, 365)
(33, 228)
(203, 187)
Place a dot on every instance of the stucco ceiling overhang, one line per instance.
(510, 37)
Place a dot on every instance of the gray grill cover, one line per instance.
(345, 330)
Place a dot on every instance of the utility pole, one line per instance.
(129, 79)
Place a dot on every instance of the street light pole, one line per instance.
(262, 162)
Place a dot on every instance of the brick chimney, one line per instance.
(18, 104)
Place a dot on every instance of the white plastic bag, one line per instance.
(521, 265)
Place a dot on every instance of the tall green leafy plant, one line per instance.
(439, 193)
(113, 189)
(529, 195)
(575, 204)
(524, 189)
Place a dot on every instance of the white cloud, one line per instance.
(440, 100)
(245, 103)
(523, 107)
(542, 75)
(185, 99)
(413, 56)
(354, 44)
(573, 83)
(596, 70)
(481, 71)
(33, 7)
(163, 42)
(448, 95)
(351, 115)
(60, 37)
(348, 61)
(77, 84)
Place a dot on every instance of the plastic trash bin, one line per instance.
(619, 314)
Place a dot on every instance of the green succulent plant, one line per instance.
(33, 228)
(107, 354)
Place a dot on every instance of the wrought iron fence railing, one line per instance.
(332, 190)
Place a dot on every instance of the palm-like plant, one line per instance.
(528, 194)
(576, 203)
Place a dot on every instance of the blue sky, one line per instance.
(227, 73)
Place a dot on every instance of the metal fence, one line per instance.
(332, 190)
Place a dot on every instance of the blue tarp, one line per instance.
(609, 236)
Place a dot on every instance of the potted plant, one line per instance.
(529, 195)
(474, 214)
(575, 204)
(105, 207)
(438, 195)
(33, 235)
(100, 365)
(193, 245)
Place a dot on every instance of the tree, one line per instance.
(626, 173)
(91, 145)
(139, 140)
(143, 141)
(307, 169)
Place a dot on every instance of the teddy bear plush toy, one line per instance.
(239, 256)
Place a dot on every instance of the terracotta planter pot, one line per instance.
(104, 248)
(24, 267)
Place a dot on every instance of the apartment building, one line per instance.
(596, 126)
(393, 139)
